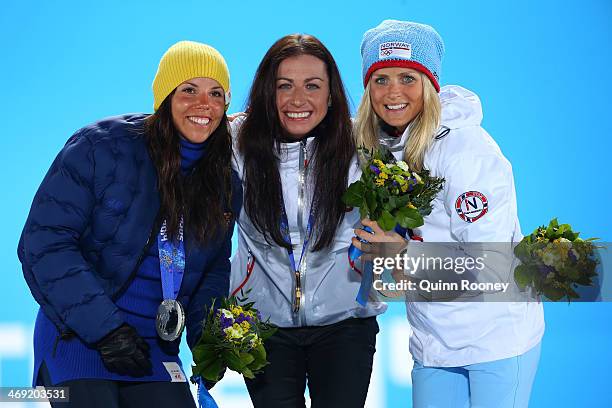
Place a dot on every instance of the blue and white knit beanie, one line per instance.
(403, 44)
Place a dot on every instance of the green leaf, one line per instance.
(363, 212)
(259, 354)
(554, 223)
(353, 196)
(402, 201)
(409, 217)
(553, 293)
(570, 235)
(212, 371)
(370, 198)
(232, 358)
(572, 273)
(246, 358)
(523, 276)
(203, 353)
(248, 373)
(266, 331)
(386, 221)
(198, 352)
(382, 193)
(522, 250)
(197, 370)
(207, 337)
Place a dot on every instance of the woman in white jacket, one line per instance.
(465, 353)
(296, 155)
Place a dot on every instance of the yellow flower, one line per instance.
(246, 326)
(410, 205)
(379, 182)
(404, 187)
(236, 310)
(383, 176)
(379, 163)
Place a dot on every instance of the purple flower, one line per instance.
(545, 270)
(225, 322)
(374, 169)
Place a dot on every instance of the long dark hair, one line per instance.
(201, 196)
(259, 144)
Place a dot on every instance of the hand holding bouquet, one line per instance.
(555, 261)
(393, 196)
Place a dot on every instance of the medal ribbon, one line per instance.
(367, 276)
(284, 227)
(205, 400)
(171, 261)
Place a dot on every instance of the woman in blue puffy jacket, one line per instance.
(128, 240)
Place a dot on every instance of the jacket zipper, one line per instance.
(303, 174)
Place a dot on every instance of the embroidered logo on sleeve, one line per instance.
(471, 206)
(396, 49)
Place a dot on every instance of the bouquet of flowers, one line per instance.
(390, 193)
(555, 261)
(232, 338)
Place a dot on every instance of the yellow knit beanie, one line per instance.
(186, 60)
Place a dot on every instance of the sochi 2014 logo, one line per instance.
(471, 206)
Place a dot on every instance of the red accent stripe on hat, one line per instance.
(400, 64)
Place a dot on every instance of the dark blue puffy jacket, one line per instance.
(89, 226)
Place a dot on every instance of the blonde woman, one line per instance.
(465, 353)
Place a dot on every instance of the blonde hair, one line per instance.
(422, 128)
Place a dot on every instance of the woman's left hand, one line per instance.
(395, 242)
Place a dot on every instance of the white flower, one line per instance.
(234, 332)
(549, 258)
(576, 254)
(402, 165)
(226, 313)
(254, 342)
(417, 177)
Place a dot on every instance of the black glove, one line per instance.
(124, 352)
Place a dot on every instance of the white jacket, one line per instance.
(477, 204)
(328, 283)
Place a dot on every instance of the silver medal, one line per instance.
(170, 320)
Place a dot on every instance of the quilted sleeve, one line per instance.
(50, 250)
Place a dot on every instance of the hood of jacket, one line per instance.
(460, 107)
